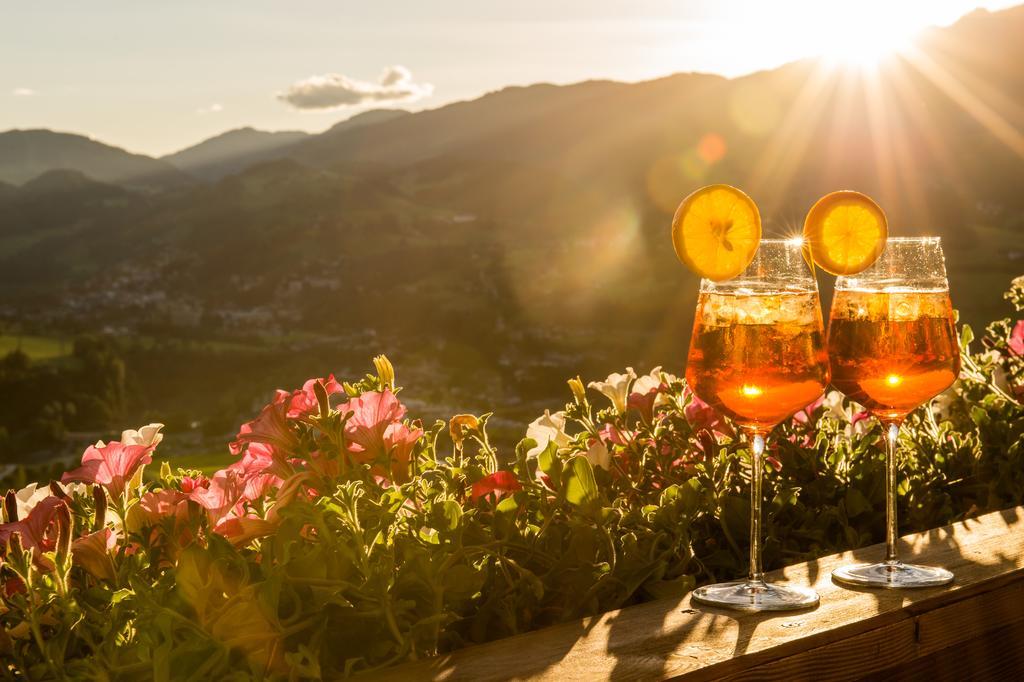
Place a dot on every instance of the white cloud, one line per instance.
(333, 90)
(23, 92)
(212, 109)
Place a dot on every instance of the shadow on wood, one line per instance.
(975, 625)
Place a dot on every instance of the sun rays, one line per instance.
(897, 119)
(918, 127)
(981, 111)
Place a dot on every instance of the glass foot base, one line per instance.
(892, 575)
(756, 596)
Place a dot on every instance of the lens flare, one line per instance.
(712, 148)
(751, 391)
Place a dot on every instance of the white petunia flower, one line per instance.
(856, 419)
(29, 496)
(649, 382)
(942, 404)
(146, 435)
(833, 404)
(545, 429)
(616, 388)
(32, 494)
(599, 456)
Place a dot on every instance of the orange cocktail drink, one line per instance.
(892, 351)
(758, 356)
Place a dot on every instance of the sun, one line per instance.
(863, 35)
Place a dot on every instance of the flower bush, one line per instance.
(347, 536)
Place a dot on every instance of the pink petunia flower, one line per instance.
(92, 553)
(500, 484)
(231, 488)
(372, 413)
(700, 415)
(859, 417)
(398, 441)
(34, 528)
(611, 434)
(1016, 341)
(804, 415)
(168, 514)
(156, 505)
(241, 530)
(271, 427)
(258, 467)
(258, 457)
(190, 483)
(303, 402)
(225, 494)
(643, 402)
(111, 465)
(257, 487)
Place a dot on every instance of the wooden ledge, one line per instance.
(975, 625)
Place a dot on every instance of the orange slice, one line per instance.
(716, 232)
(845, 232)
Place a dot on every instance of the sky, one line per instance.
(157, 77)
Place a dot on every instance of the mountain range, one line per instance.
(25, 154)
(525, 228)
(233, 151)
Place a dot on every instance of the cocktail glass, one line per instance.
(892, 346)
(757, 354)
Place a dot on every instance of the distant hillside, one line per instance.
(461, 126)
(25, 154)
(62, 185)
(236, 150)
(47, 218)
(366, 118)
(233, 151)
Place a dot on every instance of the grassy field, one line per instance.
(36, 347)
(49, 347)
(207, 462)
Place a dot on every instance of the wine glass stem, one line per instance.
(756, 575)
(892, 435)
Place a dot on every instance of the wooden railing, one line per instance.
(974, 627)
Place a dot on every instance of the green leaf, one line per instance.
(523, 447)
(736, 517)
(462, 581)
(120, 596)
(856, 503)
(966, 335)
(549, 462)
(449, 515)
(689, 497)
(665, 589)
(580, 485)
(507, 506)
(192, 579)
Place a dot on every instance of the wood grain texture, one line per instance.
(902, 646)
(853, 633)
(998, 655)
